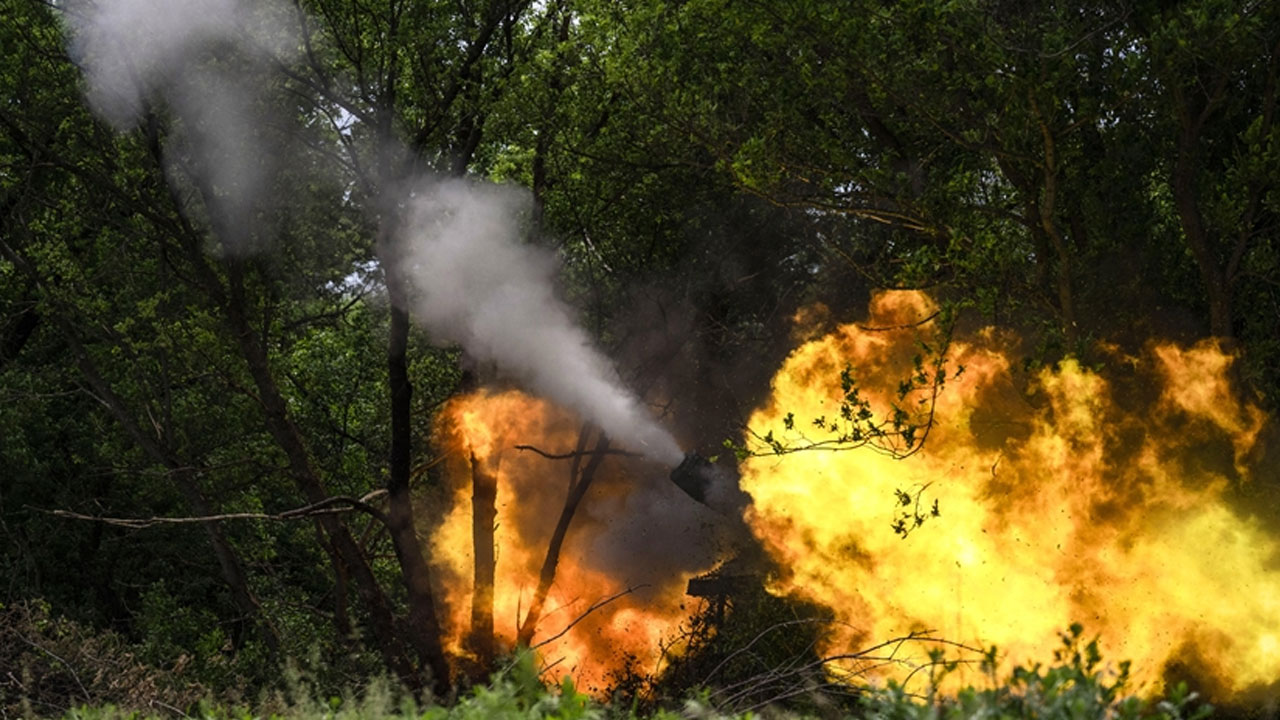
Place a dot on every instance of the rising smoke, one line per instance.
(473, 282)
(128, 50)
(136, 51)
(471, 278)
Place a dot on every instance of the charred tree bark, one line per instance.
(484, 513)
(578, 486)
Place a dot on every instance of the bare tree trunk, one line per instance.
(484, 512)
(424, 628)
(1216, 288)
(1047, 206)
(578, 486)
(289, 438)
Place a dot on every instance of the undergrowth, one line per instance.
(1077, 686)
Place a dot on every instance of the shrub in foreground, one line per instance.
(49, 664)
(1076, 687)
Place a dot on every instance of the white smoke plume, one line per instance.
(132, 51)
(472, 279)
(475, 283)
(127, 49)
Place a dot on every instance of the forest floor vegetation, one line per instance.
(54, 668)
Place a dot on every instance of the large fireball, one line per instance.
(1065, 495)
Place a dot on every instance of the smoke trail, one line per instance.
(203, 59)
(128, 49)
(475, 283)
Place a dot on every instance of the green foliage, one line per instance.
(714, 165)
(1077, 686)
(1015, 158)
(52, 664)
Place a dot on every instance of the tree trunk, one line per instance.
(1216, 288)
(341, 587)
(289, 438)
(424, 628)
(484, 512)
(1047, 206)
(578, 486)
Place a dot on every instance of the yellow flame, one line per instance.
(1064, 497)
(483, 428)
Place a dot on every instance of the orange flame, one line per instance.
(1073, 498)
(484, 428)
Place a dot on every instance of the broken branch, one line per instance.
(324, 507)
(577, 453)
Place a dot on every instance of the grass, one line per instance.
(1076, 687)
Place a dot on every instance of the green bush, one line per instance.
(1076, 687)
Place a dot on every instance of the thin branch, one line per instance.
(757, 638)
(904, 326)
(577, 453)
(74, 675)
(780, 682)
(548, 668)
(170, 708)
(594, 607)
(324, 507)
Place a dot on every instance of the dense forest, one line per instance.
(309, 308)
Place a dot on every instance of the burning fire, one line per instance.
(604, 551)
(1064, 497)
